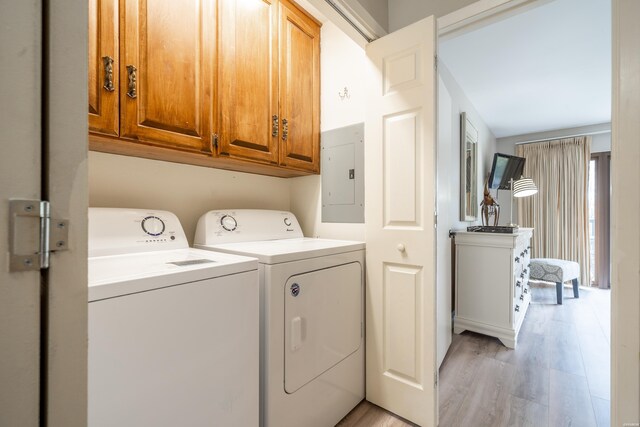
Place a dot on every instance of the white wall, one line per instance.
(486, 147)
(405, 12)
(186, 190)
(341, 65)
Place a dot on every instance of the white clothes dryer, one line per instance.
(173, 331)
(312, 306)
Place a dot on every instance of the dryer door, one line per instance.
(323, 321)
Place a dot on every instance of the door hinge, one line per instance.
(435, 378)
(214, 141)
(33, 235)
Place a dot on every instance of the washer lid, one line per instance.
(117, 275)
(286, 250)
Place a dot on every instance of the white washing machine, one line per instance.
(173, 331)
(312, 305)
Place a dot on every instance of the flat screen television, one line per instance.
(503, 169)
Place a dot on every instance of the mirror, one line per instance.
(468, 170)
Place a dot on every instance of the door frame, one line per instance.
(65, 185)
(625, 153)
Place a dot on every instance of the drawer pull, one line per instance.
(132, 86)
(517, 259)
(517, 283)
(108, 73)
(517, 307)
(521, 297)
(526, 290)
(285, 129)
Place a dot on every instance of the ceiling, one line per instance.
(544, 69)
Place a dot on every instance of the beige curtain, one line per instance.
(559, 213)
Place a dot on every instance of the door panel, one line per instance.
(248, 79)
(20, 177)
(103, 67)
(299, 89)
(170, 44)
(446, 149)
(400, 176)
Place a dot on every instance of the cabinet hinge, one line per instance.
(214, 141)
(34, 235)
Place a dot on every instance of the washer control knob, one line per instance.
(401, 247)
(287, 222)
(153, 226)
(228, 222)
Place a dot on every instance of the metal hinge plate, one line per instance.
(34, 235)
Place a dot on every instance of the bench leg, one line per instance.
(575, 288)
(559, 292)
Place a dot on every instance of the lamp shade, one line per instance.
(524, 187)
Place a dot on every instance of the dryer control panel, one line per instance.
(246, 225)
(114, 231)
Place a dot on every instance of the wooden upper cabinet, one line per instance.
(299, 89)
(103, 67)
(166, 72)
(247, 79)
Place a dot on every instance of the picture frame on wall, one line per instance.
(468, 170)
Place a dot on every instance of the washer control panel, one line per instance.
(114, 231)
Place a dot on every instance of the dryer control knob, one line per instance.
(228, 222)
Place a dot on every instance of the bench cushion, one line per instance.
(553, 270)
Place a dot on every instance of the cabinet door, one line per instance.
(247, 81)
(299, 89)
(166, 72)
(103, 66)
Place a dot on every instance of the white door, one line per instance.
(400, 177)
(43, 155)
(447, 201)
(20, 133)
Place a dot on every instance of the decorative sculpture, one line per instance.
(490, 208)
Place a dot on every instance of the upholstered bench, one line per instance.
(557, 271)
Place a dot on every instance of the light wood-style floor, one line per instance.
(557, 376)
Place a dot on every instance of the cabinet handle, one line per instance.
(517, 259)
(131, 71)
(517, 283)
(517, 307)
(285, 129)
(521, 297)
(108, 73)
(526, 290)
(274, 125)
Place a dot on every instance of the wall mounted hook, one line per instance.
(344, 94)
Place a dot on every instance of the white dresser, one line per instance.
(492, 283)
